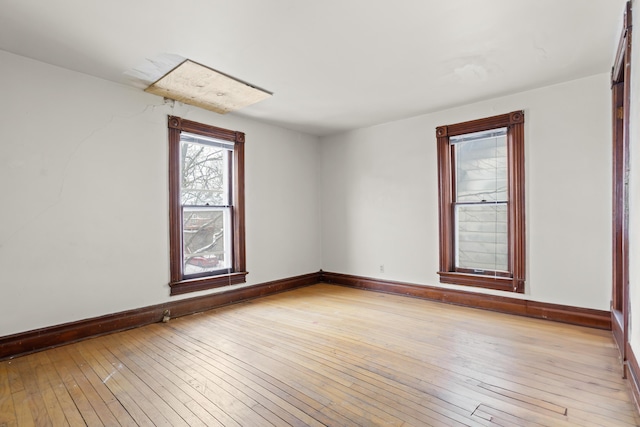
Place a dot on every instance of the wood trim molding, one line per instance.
(54, 336)
(633, 374)
(617, 325)
(599, 319)
(488, 282)
(624, 45)
(445, 195)
(493, 122)
(448, 272)
(204, 283)
(178, 284)
(517, 227)
(181, 124)
(621, 90)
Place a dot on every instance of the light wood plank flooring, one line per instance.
(326, 355)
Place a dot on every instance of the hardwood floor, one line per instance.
(326, 355)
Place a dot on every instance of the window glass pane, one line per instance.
(481, 166)
(481, 236)
(204, 174)
(206, 239)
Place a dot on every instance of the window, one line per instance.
(206, 212)
(481, 184)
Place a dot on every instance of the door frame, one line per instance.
(620, 91)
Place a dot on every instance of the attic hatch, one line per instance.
(204, 87)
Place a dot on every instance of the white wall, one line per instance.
(634, 189)
(83, 223)
(380, 194)
(84, 216)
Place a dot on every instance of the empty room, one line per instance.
(332, 213)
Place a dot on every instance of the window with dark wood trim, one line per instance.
(479, 215)
(206, 206)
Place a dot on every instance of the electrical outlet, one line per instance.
(381, 268)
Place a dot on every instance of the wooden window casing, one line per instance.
(514, 279)
(179, 284)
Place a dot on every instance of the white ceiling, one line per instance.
(332, 65)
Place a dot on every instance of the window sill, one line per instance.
(488, 282)
(204, 283)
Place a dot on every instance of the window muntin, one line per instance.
(206, 206)
(481, 202)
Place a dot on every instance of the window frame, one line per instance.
(178, 283)
(514, 281)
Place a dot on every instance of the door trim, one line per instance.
(620, 90)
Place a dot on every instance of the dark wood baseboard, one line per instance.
(561, 313)
(53, 336)
(633, 375)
